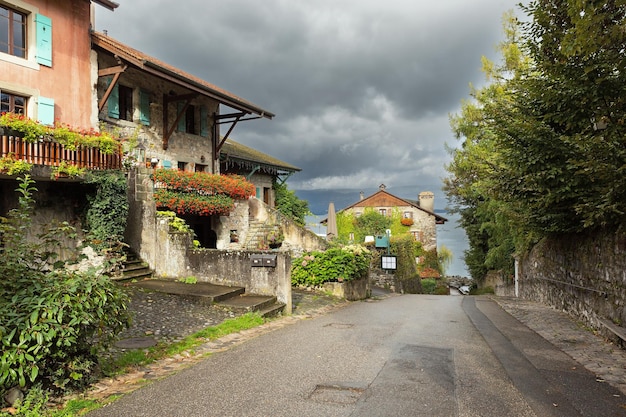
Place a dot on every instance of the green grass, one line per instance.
(139, 357)
(77, 407)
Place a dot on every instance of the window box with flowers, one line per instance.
(199, 193)
(407, 221)
(71, 138)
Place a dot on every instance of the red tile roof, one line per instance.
(161, 69)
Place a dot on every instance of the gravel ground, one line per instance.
(160, 317)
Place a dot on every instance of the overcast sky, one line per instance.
(362, 90)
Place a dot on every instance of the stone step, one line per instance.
(273, 310)
(232, 298)
(209, 292)
(138, 274)
(248, 303)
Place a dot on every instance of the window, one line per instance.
(407, 215)
(12, 32)
(383, 211)
(200, 168)
(182, 165)
(11, 103)
(126, 103)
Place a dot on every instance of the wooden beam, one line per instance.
(167, 99)
(112, 70)
(219, 142)
(107, 93)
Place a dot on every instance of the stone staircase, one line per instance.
(232, 298)
(134, 268)
(257, 230)
(137, 273)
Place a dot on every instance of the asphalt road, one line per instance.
(410, 355)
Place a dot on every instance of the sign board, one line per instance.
(388, 262)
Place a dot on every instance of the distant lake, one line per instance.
(449, 235)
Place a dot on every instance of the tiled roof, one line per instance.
(161, 69)
(383, 198)
(235, 150)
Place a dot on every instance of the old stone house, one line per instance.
(421, 212)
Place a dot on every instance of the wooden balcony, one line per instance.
(49, 153)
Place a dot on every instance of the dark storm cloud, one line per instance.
(361, 89)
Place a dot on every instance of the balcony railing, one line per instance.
(49, 153)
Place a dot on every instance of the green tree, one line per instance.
(371, 223)
(543, 144)
(444, 258)
(288, 203)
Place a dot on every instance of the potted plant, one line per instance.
(275, 238)
(66, 170)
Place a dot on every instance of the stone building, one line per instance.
(421, 212)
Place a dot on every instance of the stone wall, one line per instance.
(177, 259)
(358, 289)
(584, 275)
(297, 239)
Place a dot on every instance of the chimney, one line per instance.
(426, 200)
(361, 196)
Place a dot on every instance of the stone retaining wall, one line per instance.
(584, 275)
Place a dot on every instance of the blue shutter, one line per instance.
(45, 110)
(204, 122)
(258, 193)
(144, 107)
(43, 26)
(181, 121)
(113, 102)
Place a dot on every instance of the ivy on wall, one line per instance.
(108, 207)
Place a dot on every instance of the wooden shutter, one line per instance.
(144, 107)
(45, 110)
(113, 102)
(183, 120)
(43, 27)
(204, 122)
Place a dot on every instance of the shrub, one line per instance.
(429, 285)
(53, 320)
(335, 264)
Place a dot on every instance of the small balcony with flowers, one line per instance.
(58, 151)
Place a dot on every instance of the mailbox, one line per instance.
(263, 260)
(382, 241)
